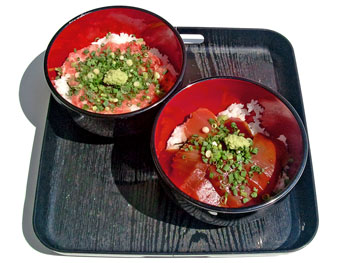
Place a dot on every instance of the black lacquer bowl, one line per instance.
(82, 30)
(216, 94)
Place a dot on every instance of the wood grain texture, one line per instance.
(98, 195)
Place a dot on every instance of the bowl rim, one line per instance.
(122, 115)
(245, 209)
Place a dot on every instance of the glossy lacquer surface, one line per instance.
(84, 29)
(97, 195)
(216, 94)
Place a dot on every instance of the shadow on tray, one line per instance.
(65, 127)
(136, 178)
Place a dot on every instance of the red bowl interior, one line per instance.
(83, 30)
(216, 95)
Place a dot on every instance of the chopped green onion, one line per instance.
(235, 192)
(227, 168)
(243, 193)
(254, 194)
(219, 171)
(254, 150)
(230, 178)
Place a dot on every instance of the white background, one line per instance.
(319, 33)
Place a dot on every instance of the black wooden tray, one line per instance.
(99, 196)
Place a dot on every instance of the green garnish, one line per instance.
(231, 178)
(219, 171)
(244, 193)
(108, 78)
(230, 153)
(59, 71)
(234, 142)
(255, 168)
(227, 168)
(235, 192)
(254, 150)
(254, 195)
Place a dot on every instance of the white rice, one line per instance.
(62, 87)
(256, 128)
(283, 139)
(254, 105)
(115, 38)
(134, 107)
(177, 138)
(235, 111)
(240, 111)
(165, 60)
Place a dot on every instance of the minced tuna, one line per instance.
(116, 74)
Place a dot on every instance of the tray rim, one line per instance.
(188, 254)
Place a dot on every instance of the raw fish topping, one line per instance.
(222, 162)
(115, 74)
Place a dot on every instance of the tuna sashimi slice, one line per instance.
(266, 158)
(216, 178)
(194, 125)
(189, 174)
(200, 188)
(185, 163)
(198, 120)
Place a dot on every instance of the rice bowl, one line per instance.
(262, 108)
(106, 113)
